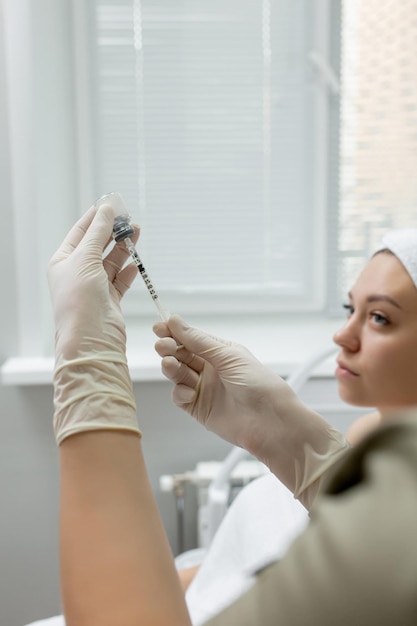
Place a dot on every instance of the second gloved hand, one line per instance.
(218, 382)
(230, 392)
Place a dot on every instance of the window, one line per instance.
(212, 118)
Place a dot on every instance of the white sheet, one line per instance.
(258, 528)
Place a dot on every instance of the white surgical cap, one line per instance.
(403, 243)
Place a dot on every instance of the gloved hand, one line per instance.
(92, 385)
(231, 393)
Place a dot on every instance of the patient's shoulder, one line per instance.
(362, 426)
(394, 443)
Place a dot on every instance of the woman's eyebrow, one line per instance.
(384, 298)
(378, 298)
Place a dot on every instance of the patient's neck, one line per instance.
(393, 413)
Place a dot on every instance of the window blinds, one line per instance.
(206, 122)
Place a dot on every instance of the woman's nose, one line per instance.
(348, 336)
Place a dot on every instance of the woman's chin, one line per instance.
(354, 399)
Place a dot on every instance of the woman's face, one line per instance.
(377, 362)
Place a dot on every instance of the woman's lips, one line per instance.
(343, 371)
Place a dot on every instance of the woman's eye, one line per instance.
(349, 309)
(379, 319)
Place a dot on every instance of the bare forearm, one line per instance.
(116, 563)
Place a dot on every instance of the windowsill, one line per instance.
(280, 342)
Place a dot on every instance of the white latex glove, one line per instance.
(92, 385)
(231, 393)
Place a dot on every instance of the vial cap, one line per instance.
(122, 228)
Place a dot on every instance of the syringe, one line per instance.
(122, 231)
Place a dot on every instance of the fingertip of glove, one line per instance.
(177, 322)
(91, 209)
(167, 328)
(161, 329)
(105, 210)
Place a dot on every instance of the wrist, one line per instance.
(93, 392)
(80, 344)
(291, 439)
(276, 404)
